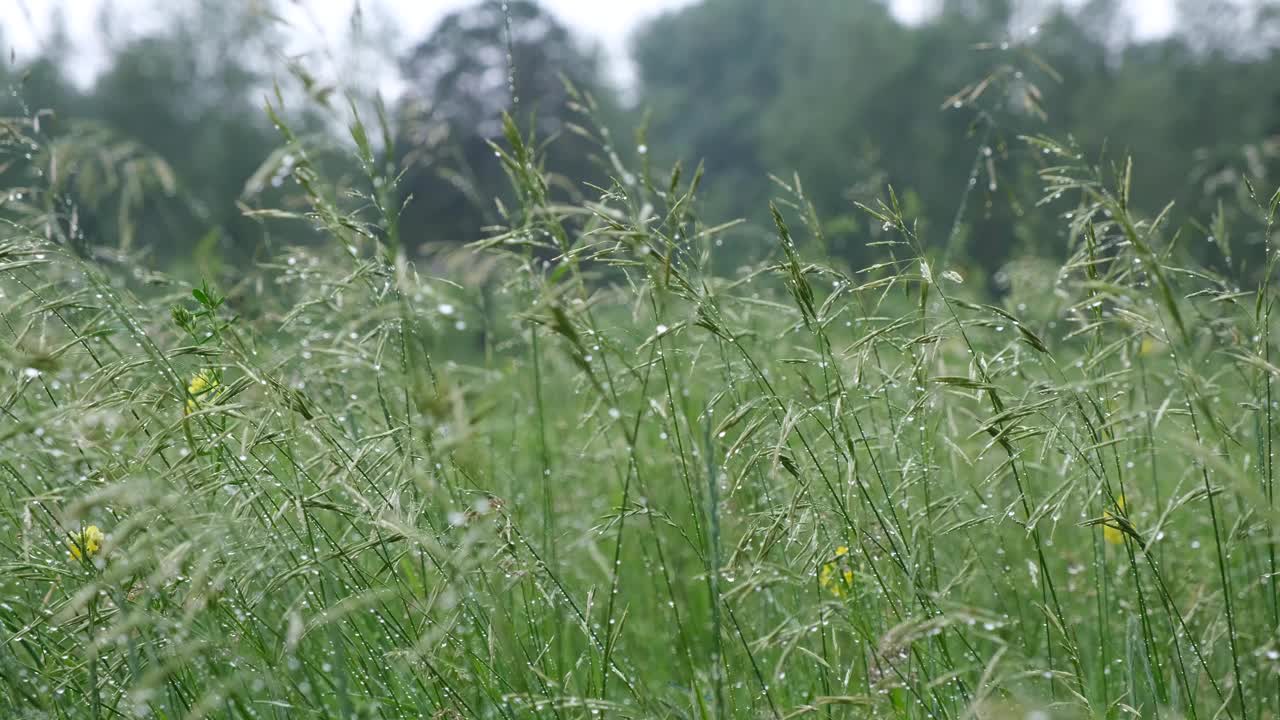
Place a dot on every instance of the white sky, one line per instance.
(605, 21)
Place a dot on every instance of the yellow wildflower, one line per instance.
(1111, 531)
(86, 542)
(202, 383)
(837, 575)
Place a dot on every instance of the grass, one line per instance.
(571, 472)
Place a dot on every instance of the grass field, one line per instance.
(570, 472)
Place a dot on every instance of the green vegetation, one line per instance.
(618, 458)
(836, 91)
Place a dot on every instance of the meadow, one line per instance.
(579, 469)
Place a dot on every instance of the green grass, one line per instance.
(570, 472)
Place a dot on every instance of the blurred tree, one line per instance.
(838, 91)
(994, 14)
(493, 57)
(843, 94)
(41, 81)
(191, 94)
(159, 150)
(712, 73)
(156, 154)
(1219, 26)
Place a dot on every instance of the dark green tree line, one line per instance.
(169, 144)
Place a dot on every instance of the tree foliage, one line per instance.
(837, 93)
(849, 99)
(480, 62)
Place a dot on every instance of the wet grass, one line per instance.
(571, 472)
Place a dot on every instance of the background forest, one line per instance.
(835, 92)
